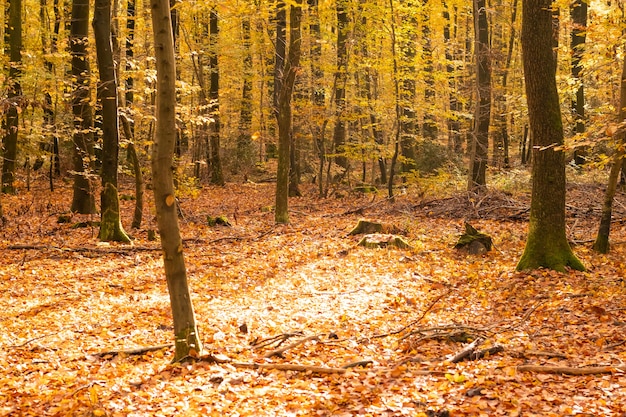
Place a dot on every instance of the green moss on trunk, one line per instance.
(110, 225)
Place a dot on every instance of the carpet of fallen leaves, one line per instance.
(70, 306)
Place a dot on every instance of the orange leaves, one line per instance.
(399, 313)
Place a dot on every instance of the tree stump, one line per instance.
(375, 240)
(473, 241)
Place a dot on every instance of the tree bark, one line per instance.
(578, 11)
(287, 83)
(341, 76)
(110, 221)
(215, 161)
(187, 339)
(244, 141)
(11, 121)
(601, 244)
(546, 245)
(480, 143)
(83, 200)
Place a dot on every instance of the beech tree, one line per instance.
(83, 200)
(546, 245)
(110, 221)
(11, 120)
(480, 142)
(284, 113)
(187, 340)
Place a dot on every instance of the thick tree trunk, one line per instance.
(110, 221)
(83, 200)
(547, 244)
(11, 121)
(187, 339)
(288, 81)
(480, 144)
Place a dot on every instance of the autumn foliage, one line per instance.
(298, 320)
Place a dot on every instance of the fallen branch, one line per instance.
(135, 351)
(566, 370)
(278, 339)
(279, 352)
(467, 351)
(103, 249)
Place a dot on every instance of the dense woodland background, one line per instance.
(346, 93)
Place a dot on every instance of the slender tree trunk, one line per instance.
(136, 167)
(601, 244)
(341, 77)
(579, 21)
(244, 141)
(396, 84)
(407, 71)
(83, 200)
(186, 337)
(110, 220)
(454, 126)
(480, 144)
(217, 175)
(546, 245)
(284, 114)
(11, 120)
(429, 124)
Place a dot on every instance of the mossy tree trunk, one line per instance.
(187, 339)
(547, 244)
(110, 221)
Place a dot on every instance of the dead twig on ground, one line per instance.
(566, 370)
(279, 352)
(135, 351)
(278, 339)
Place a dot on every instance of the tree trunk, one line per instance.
(11, 121)
(215, 162)
(284, 115)
(480, 144)
(136, 166)
(579, 30)
(244, 139)
(407, 72)
(396, 84)
(601, 244)
(454, 126)
(546, 245)
(83, 200)
(187, 339)
(341, 76)
(429, 124)
(110, 221)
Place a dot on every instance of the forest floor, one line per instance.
(69, 306)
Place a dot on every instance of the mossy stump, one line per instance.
(473, 241)
(218, 221)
